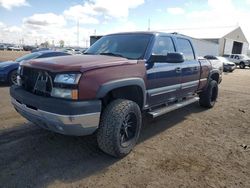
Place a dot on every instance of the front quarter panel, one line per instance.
(206, 67)
(92, 80)
(7, 70)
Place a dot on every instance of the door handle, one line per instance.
(195, 68)
(178, 70)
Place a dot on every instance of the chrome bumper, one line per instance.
(76, 125)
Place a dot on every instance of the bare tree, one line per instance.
(61, 42)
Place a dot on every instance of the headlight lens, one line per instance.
(19, 70)
(67, 78)
(65, 93)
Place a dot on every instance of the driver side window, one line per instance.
(163, 45)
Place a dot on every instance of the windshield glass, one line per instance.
(28, 57)
(131, 46)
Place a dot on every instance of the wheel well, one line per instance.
(215, 77)
(133, 93)
(9, 73)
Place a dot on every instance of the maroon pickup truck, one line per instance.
(105, 90)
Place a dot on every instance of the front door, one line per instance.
(164, 78)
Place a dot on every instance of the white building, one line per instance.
(204, 47)
(233, 42)
(217, 41)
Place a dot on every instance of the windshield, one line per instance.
(28, 57)
(131, 46)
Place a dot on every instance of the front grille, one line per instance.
(39, 82)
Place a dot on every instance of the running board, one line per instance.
(164, 110)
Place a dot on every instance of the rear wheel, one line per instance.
(242, 65)
(119, 127)
(209, 96)
(12, 79)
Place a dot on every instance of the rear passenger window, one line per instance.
(163, 45)
(184, 46)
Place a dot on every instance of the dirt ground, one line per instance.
(11, 55)
(190, 147)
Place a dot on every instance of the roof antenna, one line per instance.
(149, 24)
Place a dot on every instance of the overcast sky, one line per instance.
(54, 20)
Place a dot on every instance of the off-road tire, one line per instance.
(12, 77)
(209, 96)
(242, 65)
(109, 136)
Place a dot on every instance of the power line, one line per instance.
(197, 28)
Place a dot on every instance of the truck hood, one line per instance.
(78, 63)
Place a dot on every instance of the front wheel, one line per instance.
(209, 96)
(12, 79)
(242, 65)
(119, 127)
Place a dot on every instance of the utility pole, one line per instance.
(78, 32)
(149, 24)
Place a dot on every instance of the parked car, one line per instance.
(40, 49)
(80, 50)
(227, 65)
(216, 63)
(8, 69)
(106, 90)
(240, 59)
(15, 48)
(69, 50)
(74, 51)
(2, 47)
(28, 48)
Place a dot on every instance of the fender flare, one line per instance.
(212, 72)
(115, 84)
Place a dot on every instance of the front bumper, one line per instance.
(62, 116)
(229, 68)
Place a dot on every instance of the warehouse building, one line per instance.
(216, 41)
(233, 42)
(204, 47)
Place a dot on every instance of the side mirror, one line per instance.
(173, 57)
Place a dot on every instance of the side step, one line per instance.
(164, 110)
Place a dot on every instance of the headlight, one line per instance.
(19, 70)
(65, 93)
(67, 78)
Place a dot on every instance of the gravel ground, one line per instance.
(190, 147)
(11, 55)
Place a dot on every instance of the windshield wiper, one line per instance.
(112, 54)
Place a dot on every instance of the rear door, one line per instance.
(164, 78)
(190, 69)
